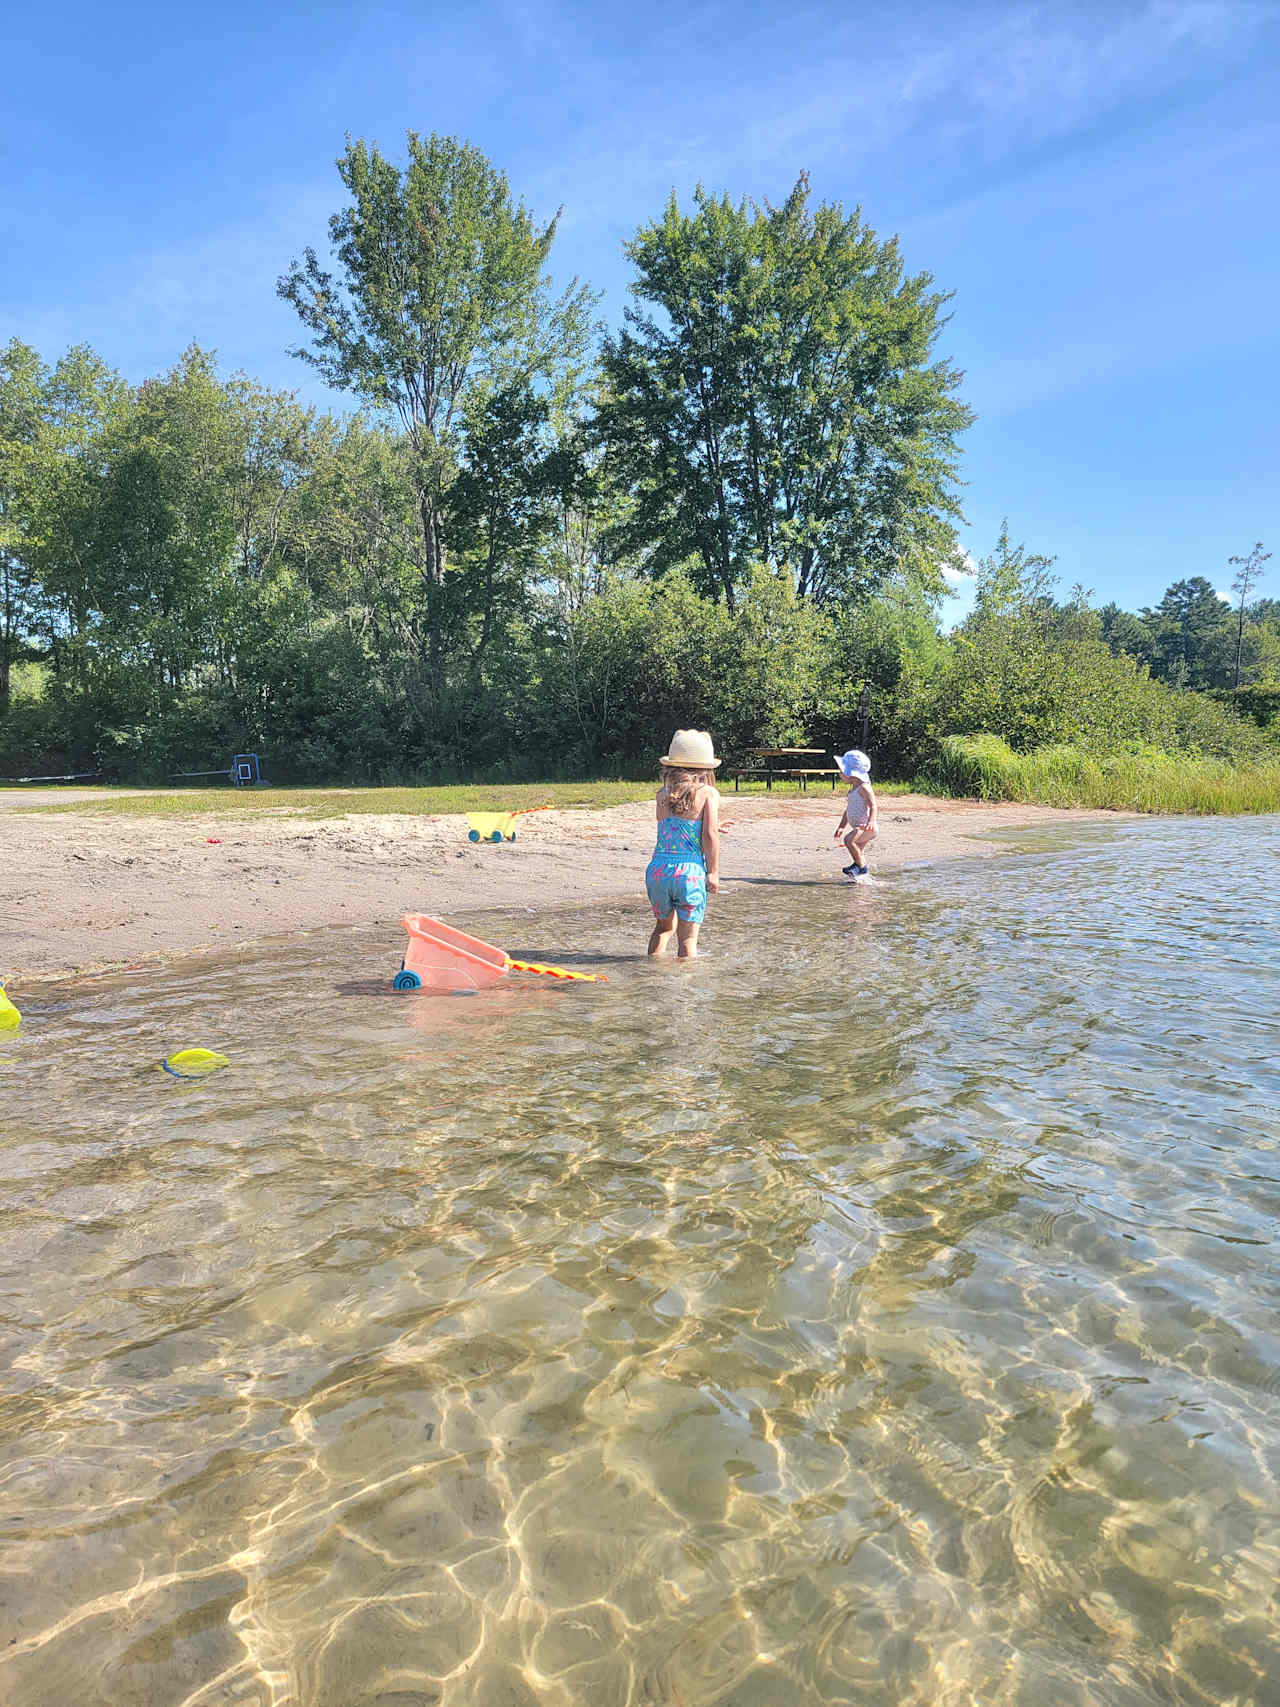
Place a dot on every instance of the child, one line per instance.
(686, 860)
(860, 815)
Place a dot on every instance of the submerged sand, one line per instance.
(86, 891)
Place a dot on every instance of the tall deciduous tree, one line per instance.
(439, 288)
(84, 406)
(774, 399)
(23, 378)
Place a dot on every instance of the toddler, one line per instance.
(858, 823)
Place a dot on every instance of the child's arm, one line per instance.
(711, 838)
(840, 827)
(873, 820)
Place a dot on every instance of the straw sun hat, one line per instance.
(691, 749)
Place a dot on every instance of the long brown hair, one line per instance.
(680, 784)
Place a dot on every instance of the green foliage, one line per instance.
(23, 380)
(508, 565)
(439, 317)
(985, 767)
(1260, 703)
(1125, 632)
(774, 401)
(642, 658)
(1036, 674)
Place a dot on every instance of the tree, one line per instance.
(1125, 632)
(774, 401)
(1188, 621)
(23, 378)
(1248, 574)
(84, 406)
(501, 506)
(439, 290)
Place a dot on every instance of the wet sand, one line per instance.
(86, 891)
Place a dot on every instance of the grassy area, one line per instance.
(468, 797)
(338, 802)
(982, 766)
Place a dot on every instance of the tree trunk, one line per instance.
(1239, 640)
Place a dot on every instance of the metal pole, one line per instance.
(864, 708)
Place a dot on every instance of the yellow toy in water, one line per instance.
(10, 1018)
(194, 1063)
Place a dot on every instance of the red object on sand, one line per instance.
(214, 841)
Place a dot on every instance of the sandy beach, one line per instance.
(86, 891)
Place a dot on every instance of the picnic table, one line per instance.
(779, 762)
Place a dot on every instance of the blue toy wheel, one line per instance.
(496, 836)
(406, 981)
(473, 835)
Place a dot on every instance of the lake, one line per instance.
(883, 1309)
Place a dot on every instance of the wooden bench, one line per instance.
(793, 774)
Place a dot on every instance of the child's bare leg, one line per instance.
(687, 937)
(660, 936)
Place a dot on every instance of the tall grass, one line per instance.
(1148, 781)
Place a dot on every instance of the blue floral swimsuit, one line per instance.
(676, 877)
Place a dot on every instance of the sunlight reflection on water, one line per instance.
(881, 1310)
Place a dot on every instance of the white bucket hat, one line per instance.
(854, 766)
(692, 750)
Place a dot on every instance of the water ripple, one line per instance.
(880, 1311)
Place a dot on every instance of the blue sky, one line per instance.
(1098, 185)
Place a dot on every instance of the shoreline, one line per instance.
(90, 893)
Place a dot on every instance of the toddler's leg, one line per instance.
(687, 937)
(660, 936)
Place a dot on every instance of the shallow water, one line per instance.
(882, 1310)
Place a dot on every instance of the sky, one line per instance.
(1098, 185)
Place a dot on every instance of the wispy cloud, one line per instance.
(820, 87)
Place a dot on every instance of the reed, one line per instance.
(1146, 781)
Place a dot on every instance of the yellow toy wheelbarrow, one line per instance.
(498, 826)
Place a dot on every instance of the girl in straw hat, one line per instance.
(686, 860)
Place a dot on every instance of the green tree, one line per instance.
(1125, 632)
(774, 400)
(439, 289)
(23, 377)
(84, 408)
(1248, 574)
(160, 525)
(1189, 627)
(500, 507)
